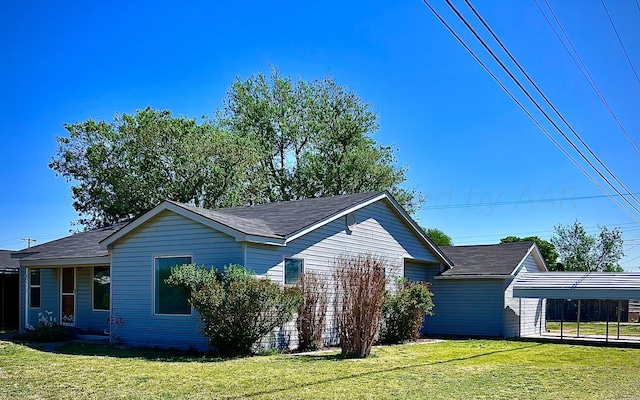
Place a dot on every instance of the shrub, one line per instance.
(48, 329)
(360, 287)
(404, 310)
(312, 311)
(237, 308)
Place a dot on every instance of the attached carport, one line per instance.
(579, 286)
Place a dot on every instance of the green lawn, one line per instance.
(445, 370)
(595, 328)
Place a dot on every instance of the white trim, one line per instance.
(92, 277)
(317, 225)
(284, 269)
(153, 293)
(536, 255)
(27, 300)
(39, 286)
(67, 262)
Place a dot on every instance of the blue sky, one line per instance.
(470, 148)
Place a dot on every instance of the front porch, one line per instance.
(76, 297)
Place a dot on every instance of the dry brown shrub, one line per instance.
(360, 287)
(312, 312)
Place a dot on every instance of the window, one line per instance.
(292, 270)
(169, 299)
(101, 288)
(34, 281)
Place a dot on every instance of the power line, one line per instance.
(577, 60)
(28, 241)
(620, 40)
(577, 136)
(534, 102)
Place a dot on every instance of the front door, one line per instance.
(68, 301)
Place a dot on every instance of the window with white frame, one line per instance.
(169, 299)
(34, 292)
(293, 268)
(101, 288)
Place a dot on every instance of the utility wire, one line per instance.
(577, 60)
(535, 121)
(504, 48)
(620, 40)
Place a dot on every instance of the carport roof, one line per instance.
(578, 285)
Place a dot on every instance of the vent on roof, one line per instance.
(350, 220)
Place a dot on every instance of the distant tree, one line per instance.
(579, 251)
(547, 249)
(438, 237)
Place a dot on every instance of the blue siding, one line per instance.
(466, 307)
(166, 234)
(86, 317)
(49, 295)
(378, 230)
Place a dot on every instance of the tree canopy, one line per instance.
(438, 237)
(272, 140)
(547, 249)
(579, 251)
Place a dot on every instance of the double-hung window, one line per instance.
(34, 292)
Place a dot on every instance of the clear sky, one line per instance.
(487, 171)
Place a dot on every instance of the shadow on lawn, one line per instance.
(330, 357)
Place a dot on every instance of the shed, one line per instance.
(9, 291)
(475, 296)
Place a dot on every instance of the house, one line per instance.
(112, 279)
(475, 298)
(9, 291)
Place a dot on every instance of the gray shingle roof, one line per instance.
(80, 245)
(488, 259)
(8, 265)
(282, 219)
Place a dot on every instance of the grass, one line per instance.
(595, 328)
(445, 370)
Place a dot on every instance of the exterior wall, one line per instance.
(378, 230)
(523, 316)
(466, 307)
(49, 296)
(86, 317)
(132, 265)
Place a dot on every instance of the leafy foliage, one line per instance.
(579, 251)
(124, 168)
(48, 329)
(237, 308)
(438, 237)
(273, 140)
(547, 249)
(360, 288)
(312, 311)
(404, 310)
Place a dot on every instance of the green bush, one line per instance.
(48, 330)
(404, 310)
(237, 308)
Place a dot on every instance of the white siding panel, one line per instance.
(166, 234)
(523, 316)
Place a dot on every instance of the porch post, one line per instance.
(619, 311)
(607, 331)
(578, 334)
(562, 320)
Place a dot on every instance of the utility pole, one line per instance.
(28, 240)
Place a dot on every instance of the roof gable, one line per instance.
(503, 259)
(277, 223)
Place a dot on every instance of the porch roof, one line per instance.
(578, 285)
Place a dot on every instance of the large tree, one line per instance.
(314, 139)
(547, 249)
(123, 168)
(579, 251)
(273, 140)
